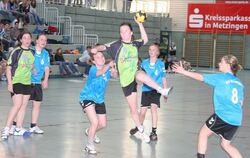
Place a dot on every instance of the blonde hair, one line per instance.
(233, 62)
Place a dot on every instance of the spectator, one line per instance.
(3, 63)
(35, 17)
(172, 52)
(84, 61)
(4, 10)
(14, 32)
(24, 8)
(6, 38)
(51, 56)
(65, 68)
(166, 62)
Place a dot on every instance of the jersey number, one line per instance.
(235, 98)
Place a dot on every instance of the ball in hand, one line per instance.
(141, 16)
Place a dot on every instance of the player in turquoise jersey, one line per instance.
(125, 54)
(42, 63)
(150, 99)
(228, 100)
(92, 98)
(20, 65)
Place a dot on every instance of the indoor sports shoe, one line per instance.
(165, 92)
(12, 129)
(19, 131)
(36, 130)
(90, 149)
(153, 136)
(5, 133)
(96, 139)
(133, 131)
(145, 136)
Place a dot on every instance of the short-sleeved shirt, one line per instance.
(85, 56)
(95, 87)
(228, 96)
(156, 71)
(21, 62)
(42, 61)
(126, 57)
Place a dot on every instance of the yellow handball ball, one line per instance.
(141, 16)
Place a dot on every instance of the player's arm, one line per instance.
(164, 82)
(9, 78)
(179, 69)
(144, 35)
(45, 82)
(105, 68)
(99, 48)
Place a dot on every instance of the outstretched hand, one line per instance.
(178, 68)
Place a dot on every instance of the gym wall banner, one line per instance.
(218, 17)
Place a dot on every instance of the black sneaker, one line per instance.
(153, 136)
(133, 131)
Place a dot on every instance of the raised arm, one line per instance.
(144, 35)
(179, 69)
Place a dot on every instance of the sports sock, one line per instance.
(154, 129)
(32, 125)
(140, 128)
(200, 155)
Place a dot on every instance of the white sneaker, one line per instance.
(19, 131)
(165, 92)
(36, 130)
(5, 133)
(96, 139)
(145, 136)
(12, 129)
(90, 149)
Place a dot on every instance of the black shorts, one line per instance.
(221, 128)
(150, 97)
(99, 108)
(128, 90)
(19, 88)
(36, 92)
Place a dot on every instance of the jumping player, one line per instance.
(125, 54)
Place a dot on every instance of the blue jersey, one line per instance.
(95, 87)
(156, 71)
(41, 62)
(228, 96)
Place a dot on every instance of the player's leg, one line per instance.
(142, 115)
(20, 116)
(230, 149)
(36, 97)
(17, 103)
(93, 120)
(141, 76)
(154, 114)
(204, 133)
(132, 102)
